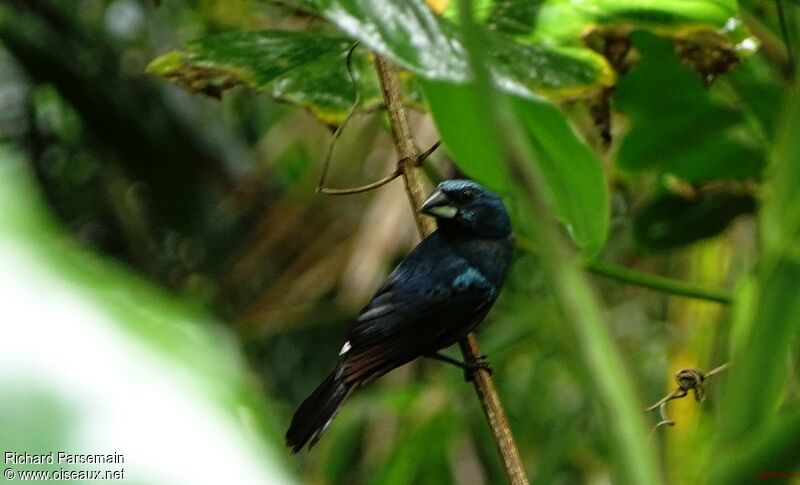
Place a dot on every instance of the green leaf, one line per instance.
(551, 59)
(554, 72)
(308, 69)
(460, 130)
(430, 47)
(566, 22)
(305, 69)
(708, 34)
(670, 221)
(572, 172)
(667, 103)
(681, 129)
(408, 32)
(421, 43)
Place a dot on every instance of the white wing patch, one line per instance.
(375, 312)
(345, 348)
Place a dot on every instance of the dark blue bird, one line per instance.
(434, 298)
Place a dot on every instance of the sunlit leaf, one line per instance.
(413, 36)
(708, 34)
(566, 22)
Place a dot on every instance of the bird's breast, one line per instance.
(489, 259)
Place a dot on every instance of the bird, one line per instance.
(436, 296)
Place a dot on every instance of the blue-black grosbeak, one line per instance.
(441, 291)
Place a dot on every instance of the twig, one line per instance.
(427, 153)
(364, 188)
(337, 133)
(677, 393)
(665, 421)
(415, 188)
(321, 189)
(645, 280)
(379, 183)
(688, 380)
(655, 282)
(717, 370)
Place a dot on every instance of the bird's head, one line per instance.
(462, 206)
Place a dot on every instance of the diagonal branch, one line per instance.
(415, 188)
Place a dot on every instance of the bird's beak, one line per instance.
(438, 205)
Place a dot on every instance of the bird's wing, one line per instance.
(432, 299)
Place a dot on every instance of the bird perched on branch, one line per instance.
(434, 298)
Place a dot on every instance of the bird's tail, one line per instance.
(317, 411)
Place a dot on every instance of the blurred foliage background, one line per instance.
(187, 190)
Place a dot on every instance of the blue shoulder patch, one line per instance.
(469, 277)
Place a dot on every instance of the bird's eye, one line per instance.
(469, 194)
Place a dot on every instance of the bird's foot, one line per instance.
(469, 366)
(472, 365)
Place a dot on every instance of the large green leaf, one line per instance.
(411, 34)
(459, 127)
(414, 37)
(670, 221)
(408, 32)
(567, 21)
(572, 172)
(708, 34)
(307, 69)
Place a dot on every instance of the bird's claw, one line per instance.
(472, 365)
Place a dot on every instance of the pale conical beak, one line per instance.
(438, 205)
